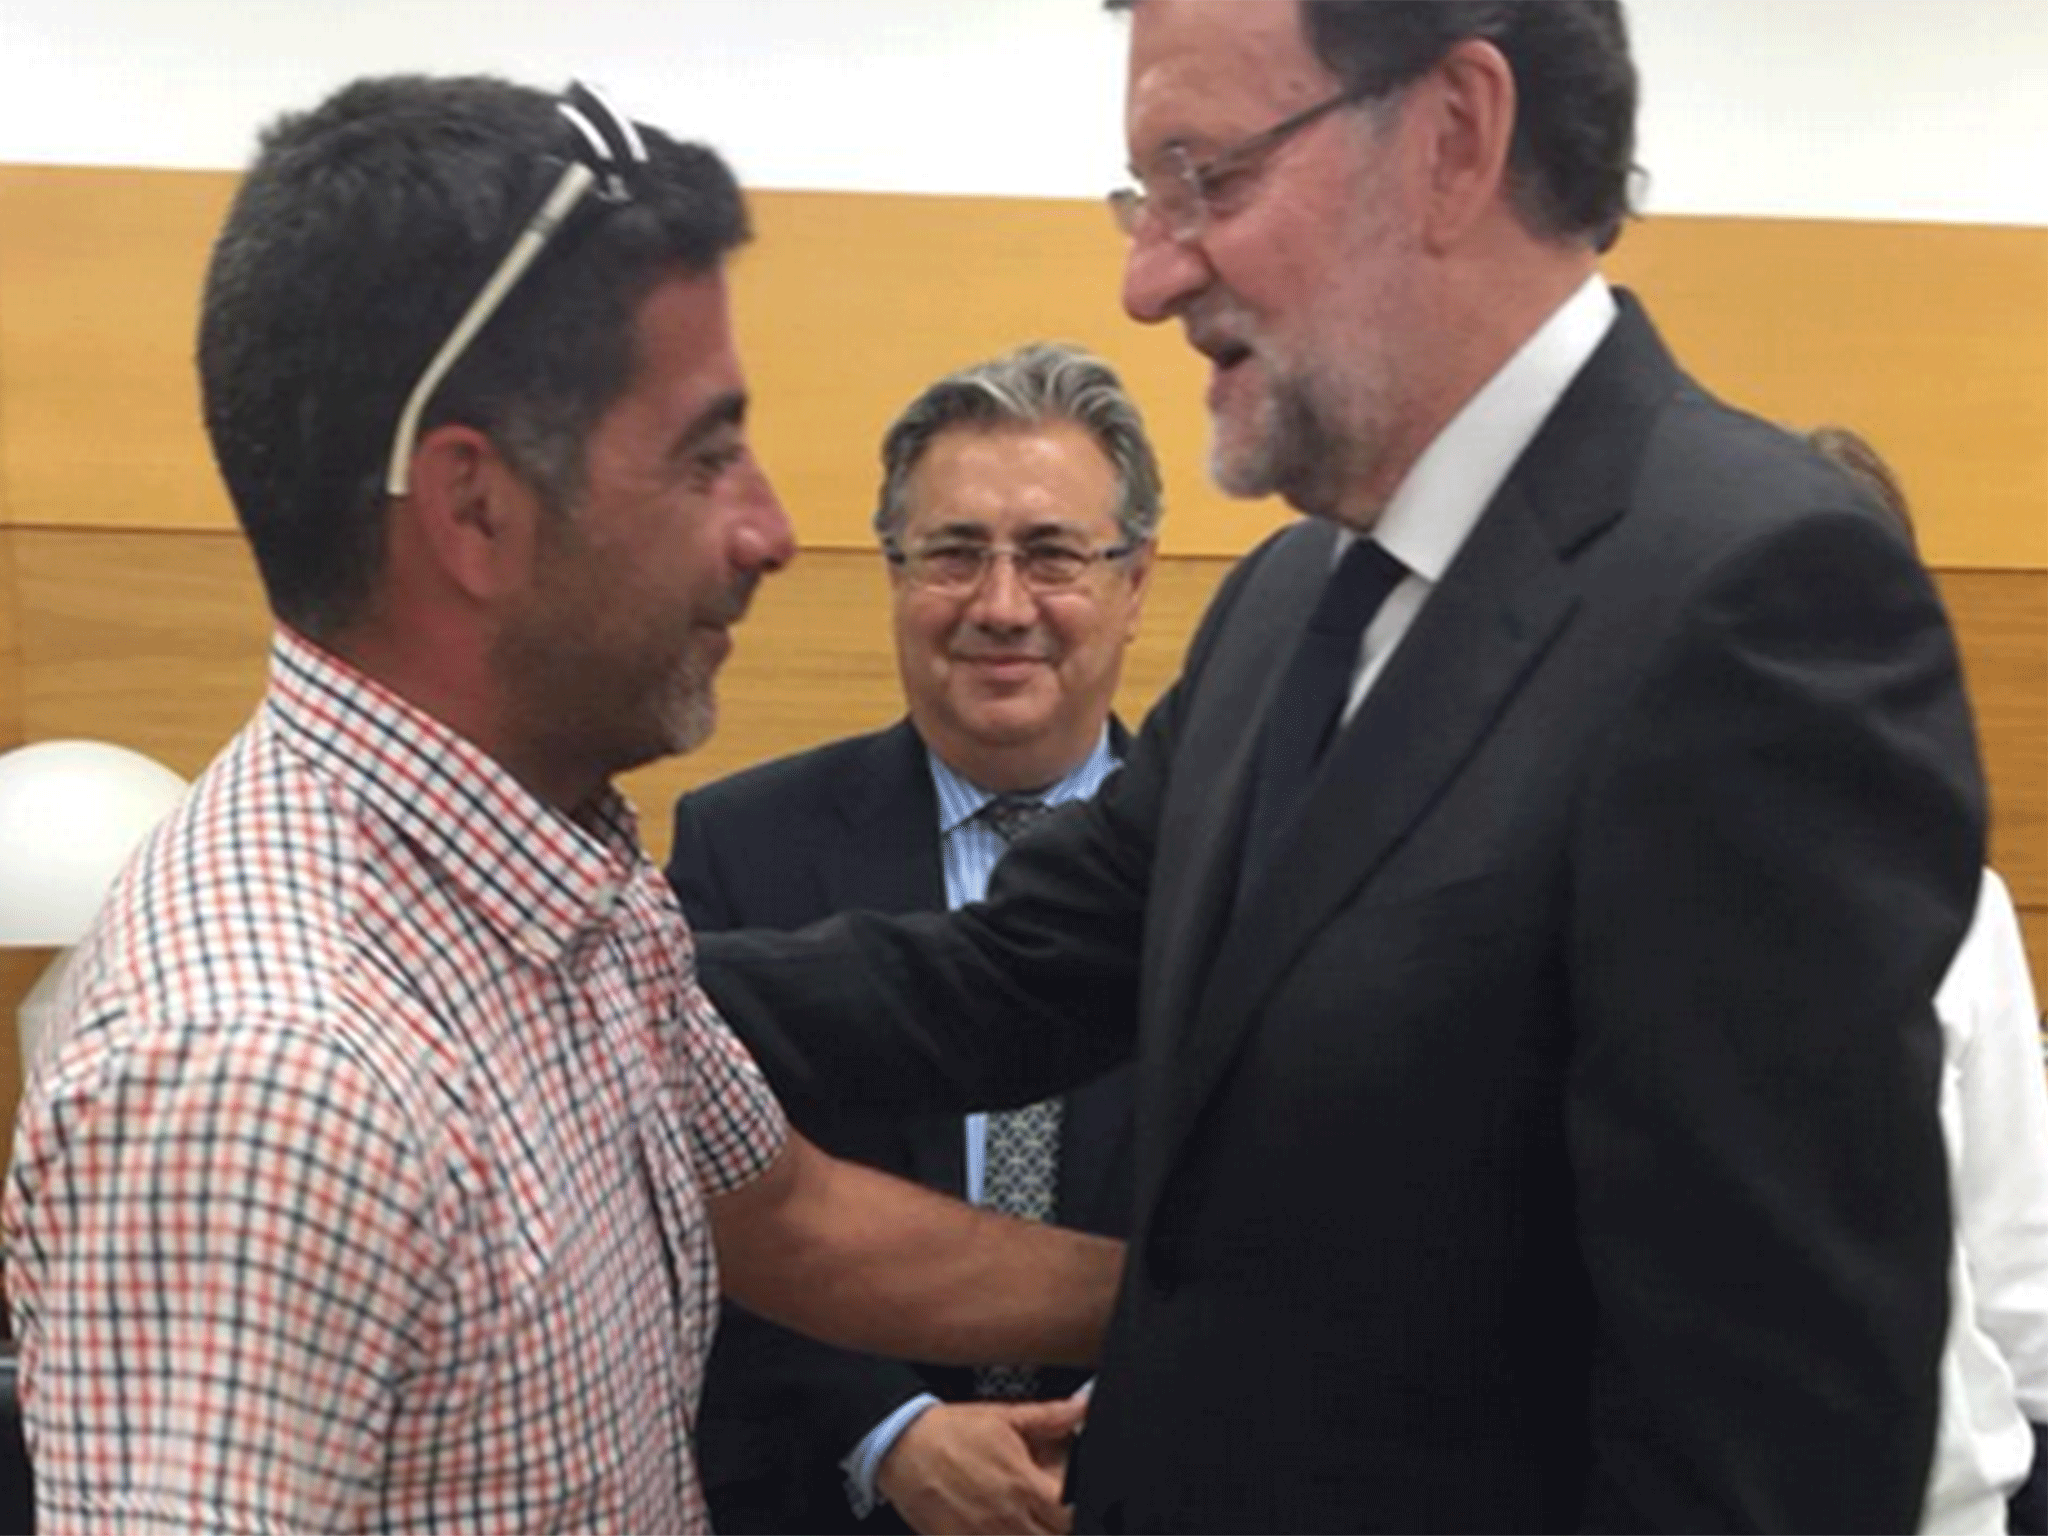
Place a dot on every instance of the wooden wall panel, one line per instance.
(130, 611)
(1932, 339)
(157, 641)
(10, 645)
(847, 306)
(99, 302)
(19, 969)
(152, 640)
(2001, 622)
(2034, 934)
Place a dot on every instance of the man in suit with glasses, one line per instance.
(1019, 505)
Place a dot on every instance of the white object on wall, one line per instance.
(71, 814)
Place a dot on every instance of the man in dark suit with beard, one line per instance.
(1018, 508)
(1526, 909)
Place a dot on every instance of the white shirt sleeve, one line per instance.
(1992, 1022)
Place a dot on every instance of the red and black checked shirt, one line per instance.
(361, 1189)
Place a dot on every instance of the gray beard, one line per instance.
(1301, 460)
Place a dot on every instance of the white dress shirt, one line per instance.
(1994, 1116)
(1434, 508)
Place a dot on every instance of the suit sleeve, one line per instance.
(1028, 994)
(1776, 853)
(990, 1006)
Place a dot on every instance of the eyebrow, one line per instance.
(1188, 146)
(725, 413)
(970, 528)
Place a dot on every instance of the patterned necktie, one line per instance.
(1310, 702)
(1020, 1166)
(1010, 814)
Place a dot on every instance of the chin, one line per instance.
(699, 719)
(999, 727)
(1242, 470)
(1243, 454)
(681, 723)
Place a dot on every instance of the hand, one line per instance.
(979, 1469)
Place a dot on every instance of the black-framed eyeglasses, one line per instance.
(960, 566)
(1180, 193)
(608, 149)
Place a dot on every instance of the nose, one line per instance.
(1002, 601)
(763, 539)
(1161, 274)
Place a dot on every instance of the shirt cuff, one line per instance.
(865, 1459)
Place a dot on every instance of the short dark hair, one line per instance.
(1038, 383)
(360, 235)
(1573, 157)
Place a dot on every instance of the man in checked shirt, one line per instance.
(374, 1177)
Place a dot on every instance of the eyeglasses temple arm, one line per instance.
(576, 180)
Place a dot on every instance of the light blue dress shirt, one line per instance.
(968, 850)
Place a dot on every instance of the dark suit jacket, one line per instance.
(850, 825)
(1551, 1140)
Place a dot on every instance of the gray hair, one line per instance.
(1037, 384)
(1571, 166)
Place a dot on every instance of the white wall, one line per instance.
(1906, 109)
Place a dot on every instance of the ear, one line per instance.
(898, 582)
(1139, 564)
(474, 520)
(1471, 129)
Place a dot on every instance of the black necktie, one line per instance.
(1311, 698)
(1020, 1164)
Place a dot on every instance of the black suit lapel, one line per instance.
(885, 803)
(1469, 651)
(1119, 739)
(1202, 834)
(1506, 597)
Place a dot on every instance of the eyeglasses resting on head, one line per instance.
(607, 148)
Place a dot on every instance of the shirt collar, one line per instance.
(533, 874)
(961, 800)
(1441, 499)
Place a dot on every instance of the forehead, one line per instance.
(1012, 478)
(685, 354)
(1209, 71)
